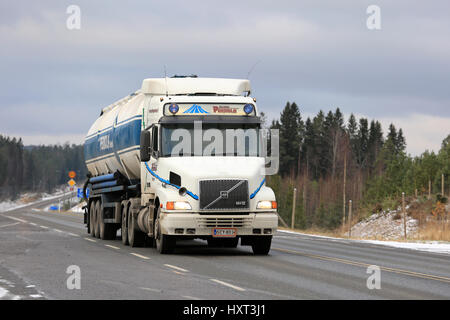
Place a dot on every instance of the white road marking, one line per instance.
(33, 224)
(110, 246)
(176, 268)
(151, 289)
(57, 230)
(9, 225)
(43, 227)
(17, 219)
(139, 255)
(191, 298)
(35, 296)
(31, 286)
(89, 239)
(73, 234)
(228, 285)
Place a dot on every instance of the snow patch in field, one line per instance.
(386, 225)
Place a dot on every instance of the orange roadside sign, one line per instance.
(71, 182)
(72, 174)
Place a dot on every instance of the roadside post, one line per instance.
(404, 214)
(293, 208)
(349, 218)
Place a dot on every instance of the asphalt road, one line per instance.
(37, 247)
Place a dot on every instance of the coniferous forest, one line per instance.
(37, 168)
(330, 160)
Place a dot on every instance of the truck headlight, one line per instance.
(178, 205)
(266, 205)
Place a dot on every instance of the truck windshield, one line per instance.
(211, 139)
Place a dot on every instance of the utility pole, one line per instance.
(404, 214)
(343, 192)
(442, 185)
(349, 218)
(293, 208)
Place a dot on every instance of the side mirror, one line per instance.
(145, 146)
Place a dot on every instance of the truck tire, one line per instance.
(107, 231)
(164, 243)
(97, 218)
(261, 245)
(136, 238)
(92, 219)
(124, 228)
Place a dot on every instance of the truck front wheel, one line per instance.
(261, 245)
(107, 230)
(164, 243)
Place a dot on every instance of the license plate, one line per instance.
(224, 232)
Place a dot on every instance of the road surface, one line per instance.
(37, 247)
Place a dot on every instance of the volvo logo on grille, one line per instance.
(223, 194)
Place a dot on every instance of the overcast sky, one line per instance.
(320, 54)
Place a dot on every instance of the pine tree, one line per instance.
(291, 136)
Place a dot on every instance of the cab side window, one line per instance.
(154, 137)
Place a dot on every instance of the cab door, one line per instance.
(153, 162)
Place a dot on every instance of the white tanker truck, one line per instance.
(180, 159)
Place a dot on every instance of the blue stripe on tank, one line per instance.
(113, 140)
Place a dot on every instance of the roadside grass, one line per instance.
(434, 230)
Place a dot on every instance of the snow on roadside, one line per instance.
(9, 205)
(429, 246)
(78, 208)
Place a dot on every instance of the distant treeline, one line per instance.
(331, 161)
(37, 168)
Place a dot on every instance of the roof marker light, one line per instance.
(248, 108)
(173, 108)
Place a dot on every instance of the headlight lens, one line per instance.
(178, 205)
(265, 204)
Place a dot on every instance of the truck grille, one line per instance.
(224, 194)
(222, 222)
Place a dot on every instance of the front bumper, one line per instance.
(194, 224)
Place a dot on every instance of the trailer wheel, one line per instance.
(124, 229)
(261, 245)
(164, 243)
(92, 219)
(136, 238)
(107, 230)
(97, 219)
